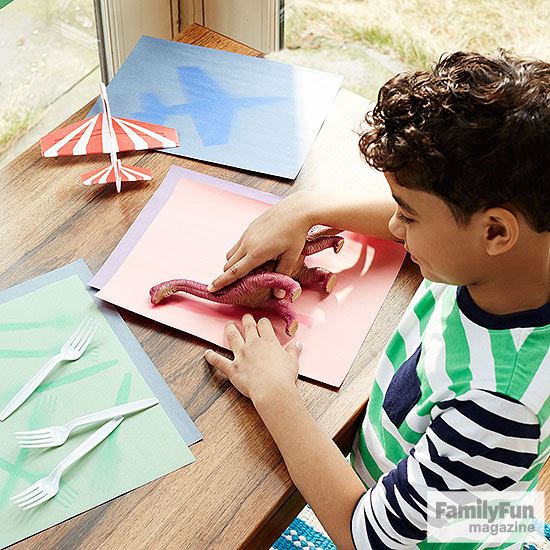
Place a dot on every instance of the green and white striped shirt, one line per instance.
(461, 400)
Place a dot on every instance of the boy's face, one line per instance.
(445, 251)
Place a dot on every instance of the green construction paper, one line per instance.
(144, 447)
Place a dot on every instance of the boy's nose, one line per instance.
(396, 227)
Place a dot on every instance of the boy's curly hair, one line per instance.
(474, 131)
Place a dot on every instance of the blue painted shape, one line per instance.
(231, 109)
(210, 107)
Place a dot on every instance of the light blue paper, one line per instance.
(35, 321)
(230, 109)
(177, 414)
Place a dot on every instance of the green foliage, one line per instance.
(14, 124)
(413, 33)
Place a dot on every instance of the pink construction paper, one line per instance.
(189, 238)
(155, 205)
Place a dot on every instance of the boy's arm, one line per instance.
(315, 464)
(363, 212)
(266, 373)
(479, 441)
(280, 232)
(482, 440)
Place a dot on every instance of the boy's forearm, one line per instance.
(316, 465)
(363, 212)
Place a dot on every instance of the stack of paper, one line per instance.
(35, 317)
(184, 232)
(228, 108)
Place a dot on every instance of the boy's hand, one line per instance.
(261, 364)
(279, 233)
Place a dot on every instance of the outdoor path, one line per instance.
(49, 67)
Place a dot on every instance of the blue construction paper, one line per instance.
(230, 109)
(173, 408)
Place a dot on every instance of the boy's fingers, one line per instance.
(294, 349)
(286, 265)
(233, 336)
(287, 262)
(249, 327)
(237, 270)
(279, 293)
(265, 328)
(216, 284)
(236, 257)
(219, 361)
(234, 249)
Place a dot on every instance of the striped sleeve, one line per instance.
(481, 440)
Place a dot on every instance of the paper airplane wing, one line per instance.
(107, 175)
(91, 135)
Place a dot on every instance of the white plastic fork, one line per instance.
(48, 486)
(71, 350)
(57, 435)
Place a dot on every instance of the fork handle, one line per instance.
(95, 439)
(107, 414)
(21, 396)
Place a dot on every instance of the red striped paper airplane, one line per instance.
(106, 134)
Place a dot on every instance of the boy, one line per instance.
(461, 396)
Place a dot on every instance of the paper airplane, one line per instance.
(104, 133)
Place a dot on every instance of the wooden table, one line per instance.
(238, 493)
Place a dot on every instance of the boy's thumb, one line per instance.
(286, 264)
(295, 348)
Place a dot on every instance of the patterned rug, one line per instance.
(306, 532)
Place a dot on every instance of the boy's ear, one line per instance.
(501, 230)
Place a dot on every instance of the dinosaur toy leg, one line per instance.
(310, 275)
(321, 243)
(284, 310)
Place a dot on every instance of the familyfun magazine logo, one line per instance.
(484, 516)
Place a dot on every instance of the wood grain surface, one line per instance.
(238, 493)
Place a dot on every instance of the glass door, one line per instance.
(55, 53)
(49, 65)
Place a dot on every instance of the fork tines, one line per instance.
(31, 497)
(82, 336)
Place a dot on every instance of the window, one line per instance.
(368, 41)
(49, 67)
(52, 59)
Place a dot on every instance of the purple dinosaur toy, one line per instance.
(255, 289)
